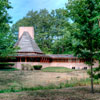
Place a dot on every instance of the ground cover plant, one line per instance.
(67, 84)
(57, 69)
(75, 93)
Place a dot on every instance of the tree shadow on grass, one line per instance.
(87, 89)
(8, 78)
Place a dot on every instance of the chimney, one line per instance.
(30, 30)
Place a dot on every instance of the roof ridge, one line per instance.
(31, 40)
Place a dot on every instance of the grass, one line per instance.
(57, 69)
(13, 86)
(71, 83)
(77, 93)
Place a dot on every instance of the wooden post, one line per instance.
(42, 59)
(46, 60)
(25, 59)
(20, 59)
(75, 60)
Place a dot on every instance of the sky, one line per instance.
(21, 7)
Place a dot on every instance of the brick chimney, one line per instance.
(30, 30)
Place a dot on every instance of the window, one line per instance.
(69, 60)
(73, 60)
(85, 68)
(73, 67)
(22, 59)
(30, 59)
(82, 60)
(66, 60)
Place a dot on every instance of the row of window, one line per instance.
(27, 59)
(85, 68)
(37, 59)
(69, 60)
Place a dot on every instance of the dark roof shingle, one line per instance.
(27, 44)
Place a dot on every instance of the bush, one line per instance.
(6, 65)
(27, 67)
(96, 72)
(37, 67)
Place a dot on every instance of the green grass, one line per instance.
(71, 83)
(57, 69)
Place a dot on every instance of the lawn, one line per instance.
(38, 85)
(9, 78)
(57, 69)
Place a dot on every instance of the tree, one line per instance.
(50, 29)
(87, 38)
(6, 38)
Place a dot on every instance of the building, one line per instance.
(30, 53)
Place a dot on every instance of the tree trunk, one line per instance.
(92, 87)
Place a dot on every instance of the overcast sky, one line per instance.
(21, 7)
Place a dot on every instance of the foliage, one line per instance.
(26, 67)
(6, 37)
(6, 65)
(96, 74)
(4, 17)
(51, 32)
(37, 67)
(57, 69)
(9, 69)
(82, 12)
(87, 39)
(71, 83)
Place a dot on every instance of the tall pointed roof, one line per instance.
(27, 44)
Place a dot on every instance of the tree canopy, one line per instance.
(87, 39)
(51, 32)
(6, 38)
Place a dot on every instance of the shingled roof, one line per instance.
(27, 44)
(61, 56)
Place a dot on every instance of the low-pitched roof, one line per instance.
(27, 44)
(52, 56)
(61, 56)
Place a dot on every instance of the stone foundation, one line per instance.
(18, 65)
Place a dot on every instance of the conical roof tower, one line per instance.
(26, 41)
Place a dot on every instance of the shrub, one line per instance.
(96, 72)
(37, 67)
(23, 67)
(6, 65)
(27, 67)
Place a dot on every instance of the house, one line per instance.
(30, 53)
